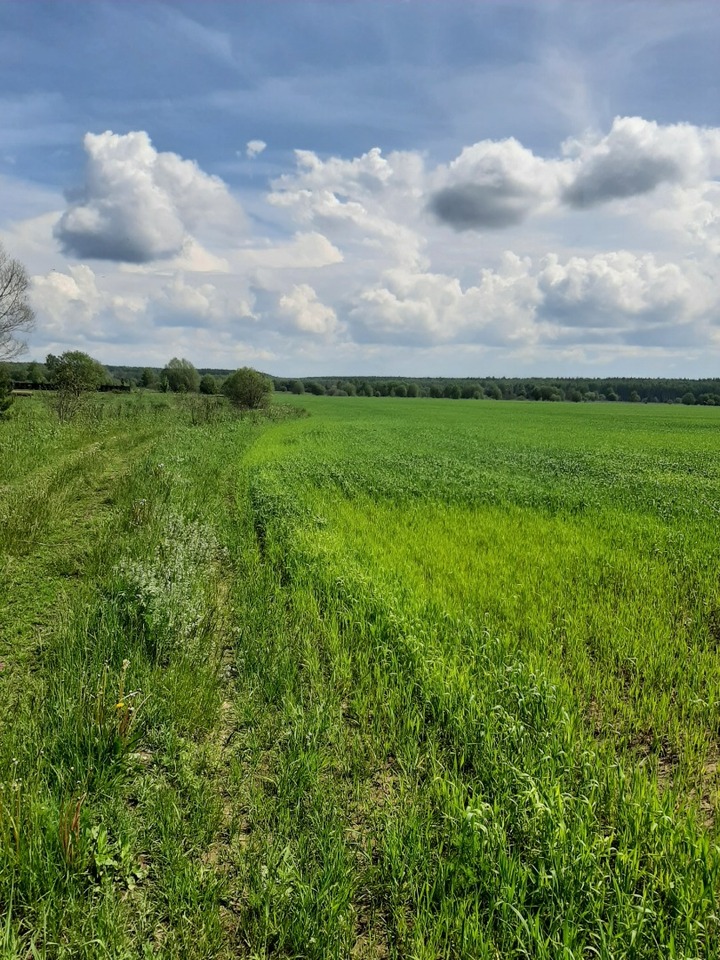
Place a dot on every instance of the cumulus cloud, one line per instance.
(610, 289)
(491, 185)
(430, 308)
(635, 157)
(306, 312)
(616, 296)
(369, 204)
(138, 205)
(73, 308)
(254, 148)
(305, 251)
(383, 253)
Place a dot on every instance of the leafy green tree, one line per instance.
(208, 385)
(634, 397)
(413, 390)
(297, 387)
(148, 378)
(314, 387)
(248, 388)
(181, 376)
(73, 374)
(35, 372)
(688, 399)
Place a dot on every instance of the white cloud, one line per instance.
(431, 308)
(254, 148)
(305, 251)
(636, 156)
(307, 313)
(492, 185)
(610, 289)
(614, 242)
(138, 205)
(370, 204)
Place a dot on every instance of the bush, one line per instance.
(74, 374)
(181, 376)
(208, 385)
(248, 388)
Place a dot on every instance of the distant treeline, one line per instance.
(576, 389)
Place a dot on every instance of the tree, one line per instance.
(6, 396)
(34, 372)
(148, 378)
(297, 387)
(16, 314)
(248, 388)
(73, 374)
(208, 385)
(75, 371)
(181, 376)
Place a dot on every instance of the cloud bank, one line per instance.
(498, 256)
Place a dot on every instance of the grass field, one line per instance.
(395, 679)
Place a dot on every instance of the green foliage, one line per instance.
(181, 376)
(248, 388)
(6, 397)
(73, 375)
(148, 378)
(75, 372)
(208, 385)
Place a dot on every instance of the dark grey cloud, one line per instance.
(475, 206)
(111, 240)
(619, 175)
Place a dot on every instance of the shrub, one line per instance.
(74, 374)
(208, 385)
(248, 388)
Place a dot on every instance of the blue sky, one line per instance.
(432, 187)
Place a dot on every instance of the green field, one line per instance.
(397, 678)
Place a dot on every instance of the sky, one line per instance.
(392, 187)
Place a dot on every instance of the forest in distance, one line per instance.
(703, 391)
